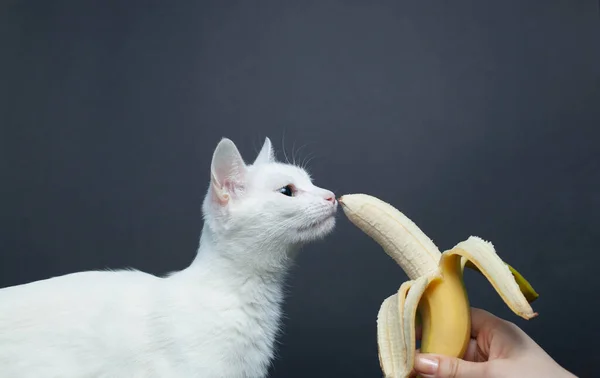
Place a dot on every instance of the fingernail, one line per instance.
(426, 366)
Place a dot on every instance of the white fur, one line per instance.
(217, 318)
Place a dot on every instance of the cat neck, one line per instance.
(242, 260)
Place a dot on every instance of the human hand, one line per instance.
(498, 349)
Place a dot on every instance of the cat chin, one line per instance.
(318, 231)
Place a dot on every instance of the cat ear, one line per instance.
(266, 154)
(228, 171)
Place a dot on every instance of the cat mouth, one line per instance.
(317, 223)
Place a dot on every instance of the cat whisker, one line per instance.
(304, 145)
(281, 226)
(310, 159)
(302, 164)
(293, 154)
(285, 224)
(283, 147)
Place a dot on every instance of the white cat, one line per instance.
(217, 318)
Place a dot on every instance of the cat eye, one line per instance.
(287, 190)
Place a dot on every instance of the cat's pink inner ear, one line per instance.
(228, 171)
(218, 192)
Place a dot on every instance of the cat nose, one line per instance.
(329, 197)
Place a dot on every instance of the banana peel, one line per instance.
(435, 294)
(528, 291)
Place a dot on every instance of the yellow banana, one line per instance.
(435, 289)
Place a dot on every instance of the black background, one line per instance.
(472, 117)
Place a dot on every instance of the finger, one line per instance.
(471, 353)
(474, 352)
(413, 372)
(437, 366)
(481, 321)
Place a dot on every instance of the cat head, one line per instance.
(268, 202)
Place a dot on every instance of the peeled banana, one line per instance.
(435, 289)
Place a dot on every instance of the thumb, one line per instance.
(436, 366)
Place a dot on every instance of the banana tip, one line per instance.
(529, 316)
(343, 197)
(341, 200)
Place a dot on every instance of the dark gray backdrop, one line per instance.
(473, 117)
